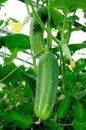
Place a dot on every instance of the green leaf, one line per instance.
(80, 65)
(82, 79)
(1, 22)
(81, 94)
(77, 28)
(27, 107)
(79, 112)
(70, 5)
(55, 49)
(72, 18)
(63, 108)
(2, 1)
(79, 122)
(10, 73)
(13, 41)
(56, 17)
(74, 47)
(60, 128)
(70, 79)
(51, 124)
(29, 77)
(19, 119)
(78, 125)
(9, 59)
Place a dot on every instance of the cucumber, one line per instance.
(46, 86)
(36, 33)
(63, 107)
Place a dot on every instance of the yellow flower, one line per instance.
(17, 104)
(72, 64)
(16, 27)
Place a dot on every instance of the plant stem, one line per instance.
(61, 51)
(26, 2)
(65, 124)
(49, 39)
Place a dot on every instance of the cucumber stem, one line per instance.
(49, 39)
(63, 41)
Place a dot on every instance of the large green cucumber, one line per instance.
(47, 78)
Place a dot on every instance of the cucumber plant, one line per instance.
(45, 99)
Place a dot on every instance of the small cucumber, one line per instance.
(47, 78)
(63, 107)
(36, 33)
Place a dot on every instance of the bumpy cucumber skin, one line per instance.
(47, 78)
(36, 33)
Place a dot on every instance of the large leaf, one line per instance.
(70, 5)
(13, 41)
(79, 122)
